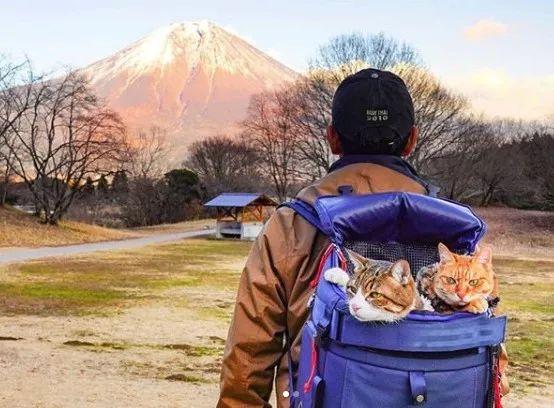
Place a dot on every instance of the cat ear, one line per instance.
(444, 254)
(484, 255)
(358, 260)
(401, 271)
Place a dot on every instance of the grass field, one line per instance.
(147, 327)
(140, 328)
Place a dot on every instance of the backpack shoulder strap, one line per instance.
(306, 211)
(309, 213)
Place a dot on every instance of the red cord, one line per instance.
(313, 284)
(322, 261)
(342, 259)
(310, 380)
(497, 394)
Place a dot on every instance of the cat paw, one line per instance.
(337, 276)
(479, 305)
(426, 304)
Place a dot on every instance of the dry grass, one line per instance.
(177, 227)
(104, 282)
(519, 233)
(526, 289)
(18, 229)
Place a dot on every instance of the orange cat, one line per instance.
(458, 282)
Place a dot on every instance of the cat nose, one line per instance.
(355, 307)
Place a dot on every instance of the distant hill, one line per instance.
(519, 233)
(193, 79)
(19, 229)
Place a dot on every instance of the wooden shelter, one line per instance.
(241, 214)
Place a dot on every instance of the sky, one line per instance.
(499, 53)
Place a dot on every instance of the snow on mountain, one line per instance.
(194, 79)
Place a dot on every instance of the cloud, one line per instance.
(498, 94)
(485, 28)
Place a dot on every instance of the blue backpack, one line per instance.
(427, 359)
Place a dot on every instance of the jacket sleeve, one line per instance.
(255, 340)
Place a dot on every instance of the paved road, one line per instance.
(29, 254)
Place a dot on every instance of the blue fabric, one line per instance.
(347, 363)
(399, 217)
(420, 336)
(306, 211)
(418, 387)
(395, 163)
(236, 199)
(446, 358)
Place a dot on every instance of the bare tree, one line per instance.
(268, 127)
(312, 97)
(226, 164)
(441, 114)
(148, 153)
(143, 203)
(346, 54)
(15, 101)
(63, 137)
(539, 151)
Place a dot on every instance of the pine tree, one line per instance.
(102, 186)
(88, 188)
(120, 183)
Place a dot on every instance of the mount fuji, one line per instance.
(192, 79)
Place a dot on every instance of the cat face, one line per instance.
(380, 291)
(461, 279)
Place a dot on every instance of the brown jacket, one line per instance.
(274, 289)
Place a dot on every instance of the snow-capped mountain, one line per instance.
(192, 79)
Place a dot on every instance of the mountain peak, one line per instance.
(191, 78)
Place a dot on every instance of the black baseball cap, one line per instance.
(373, 113)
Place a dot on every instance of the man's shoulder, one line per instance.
(364, 178)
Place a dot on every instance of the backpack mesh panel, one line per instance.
(417, 255)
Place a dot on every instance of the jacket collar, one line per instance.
(395, 163)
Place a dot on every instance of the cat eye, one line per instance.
(450, 280)
(374, 295)
(474, 282)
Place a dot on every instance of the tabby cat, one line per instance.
(458, 282)
(378, 290)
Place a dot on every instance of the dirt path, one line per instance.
(29, 254)
(155, 355)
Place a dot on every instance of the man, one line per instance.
(372, 128)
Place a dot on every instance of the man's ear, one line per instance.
(411, 142)
(334, 140)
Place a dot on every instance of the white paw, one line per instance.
(337, 276)
(426, 304)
